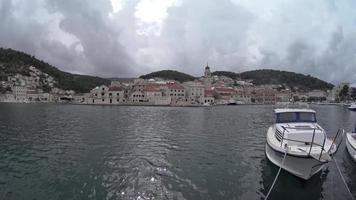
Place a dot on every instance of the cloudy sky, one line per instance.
(126, 38)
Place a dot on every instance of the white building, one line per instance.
(116, 95)
(194, 91)
(137, 97)
(99, 95)
(155, 96)
(20, 93)
(208, 96)
(105, 95)
(176, 92)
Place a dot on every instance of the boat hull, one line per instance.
(302, 167)
(350, 148)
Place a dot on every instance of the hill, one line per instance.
(169, 75)
(290, 79)
(258, 77)
(231, 75)
(12, 62)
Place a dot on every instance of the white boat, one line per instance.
(351, 144)
(352, 107)
(298, 144)
(206, 104)
(231, 102)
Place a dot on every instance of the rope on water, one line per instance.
(343, 180)
(276, 177)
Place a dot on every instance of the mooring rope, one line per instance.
(343, 179)
(276, 177)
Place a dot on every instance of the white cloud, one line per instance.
(116, 5)
(132, 37)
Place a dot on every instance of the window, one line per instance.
(102, 100)
(286, 117)
(307, 117)
(296, 117)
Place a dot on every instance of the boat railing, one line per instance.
(340, 132)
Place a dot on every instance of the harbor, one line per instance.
(177, 100)
(128, 152)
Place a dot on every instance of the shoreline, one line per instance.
(151, 105)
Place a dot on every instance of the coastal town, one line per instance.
(39, 87)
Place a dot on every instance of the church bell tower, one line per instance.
(207, 72)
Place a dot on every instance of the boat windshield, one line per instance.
(289, 117)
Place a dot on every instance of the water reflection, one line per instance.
(289, 186)
(103, 152)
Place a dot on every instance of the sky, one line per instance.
(128, 38)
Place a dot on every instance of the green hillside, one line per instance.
(290, 79)
(232, 75)
(12, 62)
(169, 75)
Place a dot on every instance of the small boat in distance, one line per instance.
(352, 107)
(298, 144)
(351, 144)
(231, 102)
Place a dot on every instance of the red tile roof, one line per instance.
(152, 88)
(208, 93)
(116, 88)
(175, 86)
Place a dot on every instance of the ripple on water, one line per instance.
(103, 152)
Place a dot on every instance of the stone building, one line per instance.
(176, 92)
(194, 91)
(20, 93)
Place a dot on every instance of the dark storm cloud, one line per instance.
(203, 31)
(312, 37)
(336, 62)
(16, 32)
(87, 20)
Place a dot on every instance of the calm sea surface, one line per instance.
(103, 152)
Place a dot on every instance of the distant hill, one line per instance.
(290, 79)
(120, 79)
(258, 77)
(232, 75)
(169, 75)
(12, 62)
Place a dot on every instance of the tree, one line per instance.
(353, 93)
(344, 93)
